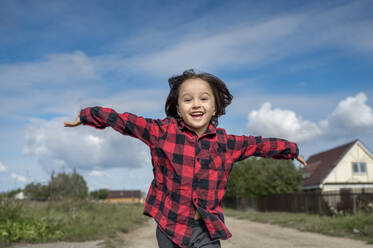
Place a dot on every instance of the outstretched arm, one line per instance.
(145, 129)
(245, 146)
(75, 123)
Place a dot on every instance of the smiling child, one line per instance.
(191, 157)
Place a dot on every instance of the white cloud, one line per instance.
(315, 107)
(281, 123)
(149, 100)
(57, 79)
(121, 178)
(351, 115)
(19, 178)
(248, 42)
(3, 168)
(85, 148)
(251, 42)
(53, 69)
(96, 173)
(245, 44)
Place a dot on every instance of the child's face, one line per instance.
(196, 104)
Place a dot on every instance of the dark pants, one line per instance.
(200, 238)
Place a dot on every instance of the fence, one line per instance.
(317, 202)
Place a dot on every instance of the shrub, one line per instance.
(15, 226)
(100, 194)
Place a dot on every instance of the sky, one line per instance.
(298, 70)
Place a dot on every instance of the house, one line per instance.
(19, 196)
(125, 196)
(346, 167)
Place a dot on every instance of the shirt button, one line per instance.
(198, 159)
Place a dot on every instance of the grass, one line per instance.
(67, 220)
(358, 226)
(71, 220)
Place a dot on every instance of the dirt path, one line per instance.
(251, 234)
(246, 234)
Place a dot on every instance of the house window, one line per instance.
(359, 167)
(363, 168)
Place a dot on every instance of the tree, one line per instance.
(67, 185)
(100, 194)
(256, 177)
(36, 191)
(12, 193)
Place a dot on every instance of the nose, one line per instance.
(196, 104)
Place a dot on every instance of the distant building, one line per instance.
(346, 167)
(125, 196)
(19, 196)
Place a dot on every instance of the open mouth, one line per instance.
(197, 115)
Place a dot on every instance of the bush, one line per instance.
(15, 226)
(37, 191)
(68, 220)
(100, 194)
(9, 209)
(71, 185)
(29, 230)
(67, 185)
(256, 177)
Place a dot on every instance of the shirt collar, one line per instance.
(211, 129)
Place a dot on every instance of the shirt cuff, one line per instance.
(83, 116)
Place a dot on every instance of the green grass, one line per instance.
(358, 226)
(67, 220)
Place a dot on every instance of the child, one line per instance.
(191, 158)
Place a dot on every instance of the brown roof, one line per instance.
(320, 164)
(124, 193)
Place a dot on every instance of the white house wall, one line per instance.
(343, 173)
(355, 188)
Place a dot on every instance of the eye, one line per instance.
(187, 100)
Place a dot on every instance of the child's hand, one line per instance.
(300, 159)
(77, 122)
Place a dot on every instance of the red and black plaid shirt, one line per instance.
(190, 172)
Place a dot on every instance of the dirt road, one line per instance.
(246, 234)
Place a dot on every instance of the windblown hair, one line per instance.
(221, 93)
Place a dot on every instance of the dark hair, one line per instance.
(221, 93)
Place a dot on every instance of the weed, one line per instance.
(67, 220)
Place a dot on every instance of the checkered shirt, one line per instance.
(190, 172)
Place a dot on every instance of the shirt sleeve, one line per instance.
(242, 147)
(146, 129)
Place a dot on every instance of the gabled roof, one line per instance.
(320, 164)
(124, 193)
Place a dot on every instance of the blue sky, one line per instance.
(299, 70)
